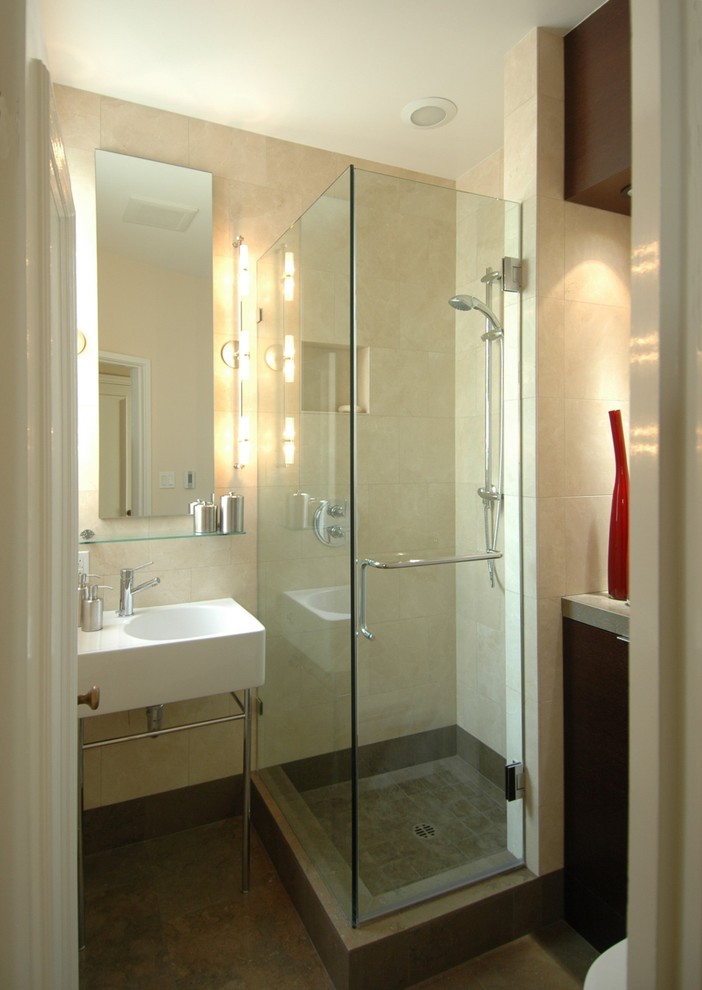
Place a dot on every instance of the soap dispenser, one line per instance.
(91, 614)
(83, 592)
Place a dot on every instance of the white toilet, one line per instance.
(608, 972)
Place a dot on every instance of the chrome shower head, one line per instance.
(464, 303)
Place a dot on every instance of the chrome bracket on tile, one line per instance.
(514, 781)
(511, 274)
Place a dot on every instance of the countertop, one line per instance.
(600, 611)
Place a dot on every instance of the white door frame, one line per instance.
(38, 486)
(665, 808)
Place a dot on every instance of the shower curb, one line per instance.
(415, 943)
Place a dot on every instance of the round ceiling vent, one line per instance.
(429, 111)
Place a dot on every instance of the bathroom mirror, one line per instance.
(155, 329)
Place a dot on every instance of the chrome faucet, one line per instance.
(127, 589)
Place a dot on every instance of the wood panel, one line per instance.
(597, 59)
(596, 756)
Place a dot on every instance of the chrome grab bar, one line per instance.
(393, 565)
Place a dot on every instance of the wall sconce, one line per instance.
(289, 441)
(289, 277)
(81, 342)
(236, 354)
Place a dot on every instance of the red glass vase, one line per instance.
(618, 559)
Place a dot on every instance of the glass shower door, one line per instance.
(437, 673)
(305, 540)
(390, 595)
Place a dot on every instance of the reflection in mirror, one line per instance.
(154, 238)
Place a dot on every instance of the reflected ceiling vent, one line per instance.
(428, 112)
(156, 213)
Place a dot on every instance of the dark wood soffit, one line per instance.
(597, 58)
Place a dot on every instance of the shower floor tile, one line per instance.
(437, 821)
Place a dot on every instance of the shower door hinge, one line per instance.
(514, 781)
(511, 274)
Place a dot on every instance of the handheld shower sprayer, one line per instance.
(464, 303)
(491, 493)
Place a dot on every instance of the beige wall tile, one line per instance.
(550, 229)
(587, 535)
(143, 131)
(597, 351)
(520, 151)
(552, 442)
(552, 547)
(597, 256)
(486, 178)
(227, 152)
(589, 457)
(550, 125)
(553, 338)
(215, 751)
(521, 73)
(145, 766)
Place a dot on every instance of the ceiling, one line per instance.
(318, 72)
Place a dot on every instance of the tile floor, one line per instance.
(167, 914)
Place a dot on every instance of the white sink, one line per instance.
(176, 622)
(171, 653)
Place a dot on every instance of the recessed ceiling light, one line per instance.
(429, 111)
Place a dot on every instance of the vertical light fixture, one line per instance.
(289, 441)
(289, 358)
(289, 277)
(244, 283)
(244, 354)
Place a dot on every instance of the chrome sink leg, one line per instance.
(81, 886)
(246, 814)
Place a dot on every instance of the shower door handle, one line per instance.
(396, 565)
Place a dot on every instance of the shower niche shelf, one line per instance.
(326, 377)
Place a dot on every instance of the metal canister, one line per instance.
(231, 513)
(204, 517)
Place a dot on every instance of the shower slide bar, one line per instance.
(396, 565)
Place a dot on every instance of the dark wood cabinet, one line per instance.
(597, 65)
(596, 759)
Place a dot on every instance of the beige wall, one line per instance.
(261, 185)
(575, 337)
(575, 367)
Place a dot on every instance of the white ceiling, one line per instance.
(323, 73)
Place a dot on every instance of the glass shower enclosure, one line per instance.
(389, 538)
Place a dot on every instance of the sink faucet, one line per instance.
(127, 589)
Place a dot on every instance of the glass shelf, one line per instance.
(146, 538)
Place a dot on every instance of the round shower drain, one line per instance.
(424, 831)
